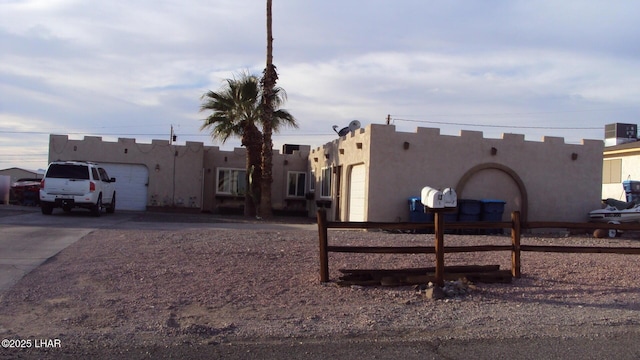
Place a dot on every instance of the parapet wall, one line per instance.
(563, 181)
(179, 175)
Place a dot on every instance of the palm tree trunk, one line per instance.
(252, 141)
(268, 83)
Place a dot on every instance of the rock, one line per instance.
(435, 293)
(600, 233)
(172, 322)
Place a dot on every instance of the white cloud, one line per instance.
(140, 66)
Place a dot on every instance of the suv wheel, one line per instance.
(112, 207)
(46, 208)
(97, 208)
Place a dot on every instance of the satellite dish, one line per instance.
(344, 131)
(354, 125)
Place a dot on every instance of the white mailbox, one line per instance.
(450, 197)
(432, 198)
(436, 199)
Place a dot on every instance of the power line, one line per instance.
(498, 126)
(140, 134)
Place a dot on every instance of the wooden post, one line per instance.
(439, 231)
(324, 252)
(515, 242)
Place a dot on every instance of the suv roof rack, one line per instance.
(78, 161)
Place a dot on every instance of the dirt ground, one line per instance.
(122, 289)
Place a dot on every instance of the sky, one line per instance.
(136, 68)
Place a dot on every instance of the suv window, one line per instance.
(94, 171)
(68, 171)
(103, 175)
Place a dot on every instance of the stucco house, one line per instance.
(367, 175)
(163, 174)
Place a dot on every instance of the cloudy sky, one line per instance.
(135, 68)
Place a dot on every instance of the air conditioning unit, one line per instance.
(617, 134)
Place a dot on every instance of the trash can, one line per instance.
(632, 190)
(469, 211)
(418, 215)
(492, 210)
(416, 211)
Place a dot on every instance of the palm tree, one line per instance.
(235, 112)
(269, 78)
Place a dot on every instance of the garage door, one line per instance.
(357, 193)
(131, 185)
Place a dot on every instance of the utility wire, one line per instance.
(141, 134)
(497, 126)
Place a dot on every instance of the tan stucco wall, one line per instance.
(181, 175)
(175, 171)
(399, 164)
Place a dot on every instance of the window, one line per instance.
(612, 171)
(68, 171)
(232, 181)
(103, 175)
(326, 183)
(296, 183)
(312, 181)
(94, 172)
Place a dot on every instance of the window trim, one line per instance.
(231, 191)
(297, 179)
(312, 181)
(328, 181)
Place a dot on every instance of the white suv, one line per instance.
(69, 184)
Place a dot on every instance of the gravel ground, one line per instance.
(119, 289)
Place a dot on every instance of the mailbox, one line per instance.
(450, 197)
(436, 199)
(432, 198)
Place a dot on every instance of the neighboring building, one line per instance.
(16, 173)
(195, 176)
(621, 159)
(10, 176)
(369, 174)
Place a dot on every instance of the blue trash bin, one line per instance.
(469, 211)
(492, 211)
(632, 190)
(417, 213)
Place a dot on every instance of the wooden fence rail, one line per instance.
(439, 249)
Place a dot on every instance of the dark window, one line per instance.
(103, 175)
(325, 183)
(297, 182)
(68, 171)
(232, 181)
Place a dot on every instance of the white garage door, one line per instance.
(356, 193)
(131, 185)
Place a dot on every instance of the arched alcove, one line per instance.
(464, 180)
